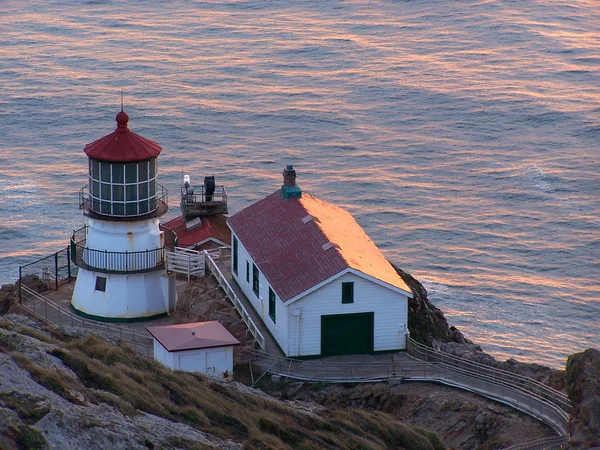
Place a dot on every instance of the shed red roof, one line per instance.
(190, 336)
(122, 145)
(300, 242)
(209, 227)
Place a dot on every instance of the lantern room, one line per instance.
(123, 176)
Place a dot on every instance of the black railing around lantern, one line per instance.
(113, 262)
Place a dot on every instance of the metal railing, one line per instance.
(114, 262)
(202, 203)
(237, 304)
(489, 374)
(157, 205)
(54, 270)
(530, 396)
(552, 443)
(43, 308)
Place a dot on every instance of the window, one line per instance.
(255, 285)
(235, 255)
(247, 272)
(348, 292)
(100, 284)
(272, 304)
(123, 189)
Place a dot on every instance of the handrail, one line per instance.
(44, 308)
(238, 305)
(490, 374)
(115, 262)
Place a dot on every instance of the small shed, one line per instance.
(205, 347)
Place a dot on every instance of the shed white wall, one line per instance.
(390, 314)
(279, 329)
(212, 361)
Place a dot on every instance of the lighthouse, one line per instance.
(121, 251)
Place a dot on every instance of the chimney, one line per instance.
(289, 188)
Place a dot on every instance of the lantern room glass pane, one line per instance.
(152, 188)
(131, 209)
(119, 209)
(131, 192)
(95, 189)
(117, 173)
(105, 172)
(152, 204)
(95, 204)
(105, 191)
(131, 173)
(143, 190)
(118, 193)
(144, 207)
(105, 207)
(152, 168)
(90, 167)
(95, 169)
(143, 171)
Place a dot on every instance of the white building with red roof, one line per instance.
(205, 347)
(320, 285)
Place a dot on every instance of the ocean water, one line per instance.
(464, 136)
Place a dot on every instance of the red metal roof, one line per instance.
(209, 228)
(300, 242)
(190, 336)
(122, 145)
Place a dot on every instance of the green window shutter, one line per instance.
(272, 305)
(235, 255)
(255, 285)
(348, 292)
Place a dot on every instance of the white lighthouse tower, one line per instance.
(121, 252)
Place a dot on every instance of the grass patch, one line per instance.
(131, 383)
(29, 408)
(28, 438)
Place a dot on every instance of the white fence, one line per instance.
(186, 262)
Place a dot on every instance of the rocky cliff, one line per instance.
(583, 388)
(60, 392)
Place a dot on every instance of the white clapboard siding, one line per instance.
(389, 308)
(279, 329)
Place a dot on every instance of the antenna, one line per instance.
(121, 100)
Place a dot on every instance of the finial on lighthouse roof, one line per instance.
(122, 117)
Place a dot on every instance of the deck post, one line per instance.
(55, 271)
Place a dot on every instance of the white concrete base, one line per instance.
(126, 297)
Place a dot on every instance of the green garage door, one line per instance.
(347, 334)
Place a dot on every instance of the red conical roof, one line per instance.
(122, 145)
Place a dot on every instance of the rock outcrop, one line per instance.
(74, 393)
(426, 322)
(583, 388)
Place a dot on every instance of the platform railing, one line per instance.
(489, 374)
(105, 261)
(237, 304)
(45, 309)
